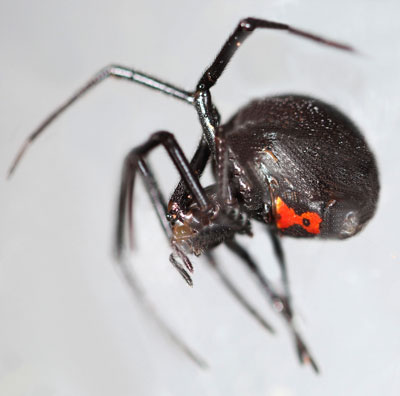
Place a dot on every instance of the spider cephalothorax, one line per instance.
(195, 231)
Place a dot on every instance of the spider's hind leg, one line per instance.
(236, 293)
(280, 256)
(279, 303)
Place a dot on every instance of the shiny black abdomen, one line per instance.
(307, 153)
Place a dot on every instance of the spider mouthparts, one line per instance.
(187, 278)
(185, 275)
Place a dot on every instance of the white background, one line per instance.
(68, 323)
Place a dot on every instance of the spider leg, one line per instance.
(226, 197)
(237, 294)
(125, 207)
(124, 211)
(197, 164)
(207, 112)
(156, 197)
(279, 254)
(242, 31)
(108, 71)
(138, 293)
(279, 303)
(134, 162)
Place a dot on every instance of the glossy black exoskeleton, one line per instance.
(293, 163)
(320, 175)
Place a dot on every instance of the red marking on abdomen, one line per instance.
(287, 217)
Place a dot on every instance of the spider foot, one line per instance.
(304, 355)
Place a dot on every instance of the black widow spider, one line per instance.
(293, 163)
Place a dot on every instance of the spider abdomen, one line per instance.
(305, 160)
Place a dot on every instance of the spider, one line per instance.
(293, 163)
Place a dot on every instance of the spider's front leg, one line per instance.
(135, 161)
(206, 110)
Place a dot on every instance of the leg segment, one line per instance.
(125, 206)
(125, 210)
(265, 283)
(133, 163)
(176, 154)
(242, 31)
(202, 97)
(109, 71)
(153, 313)
(278, 302)
(237, 294)
(126, 201)
(279, 254)
(197, 164)
(208, 114)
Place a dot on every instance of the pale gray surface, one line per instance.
(68, 325)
